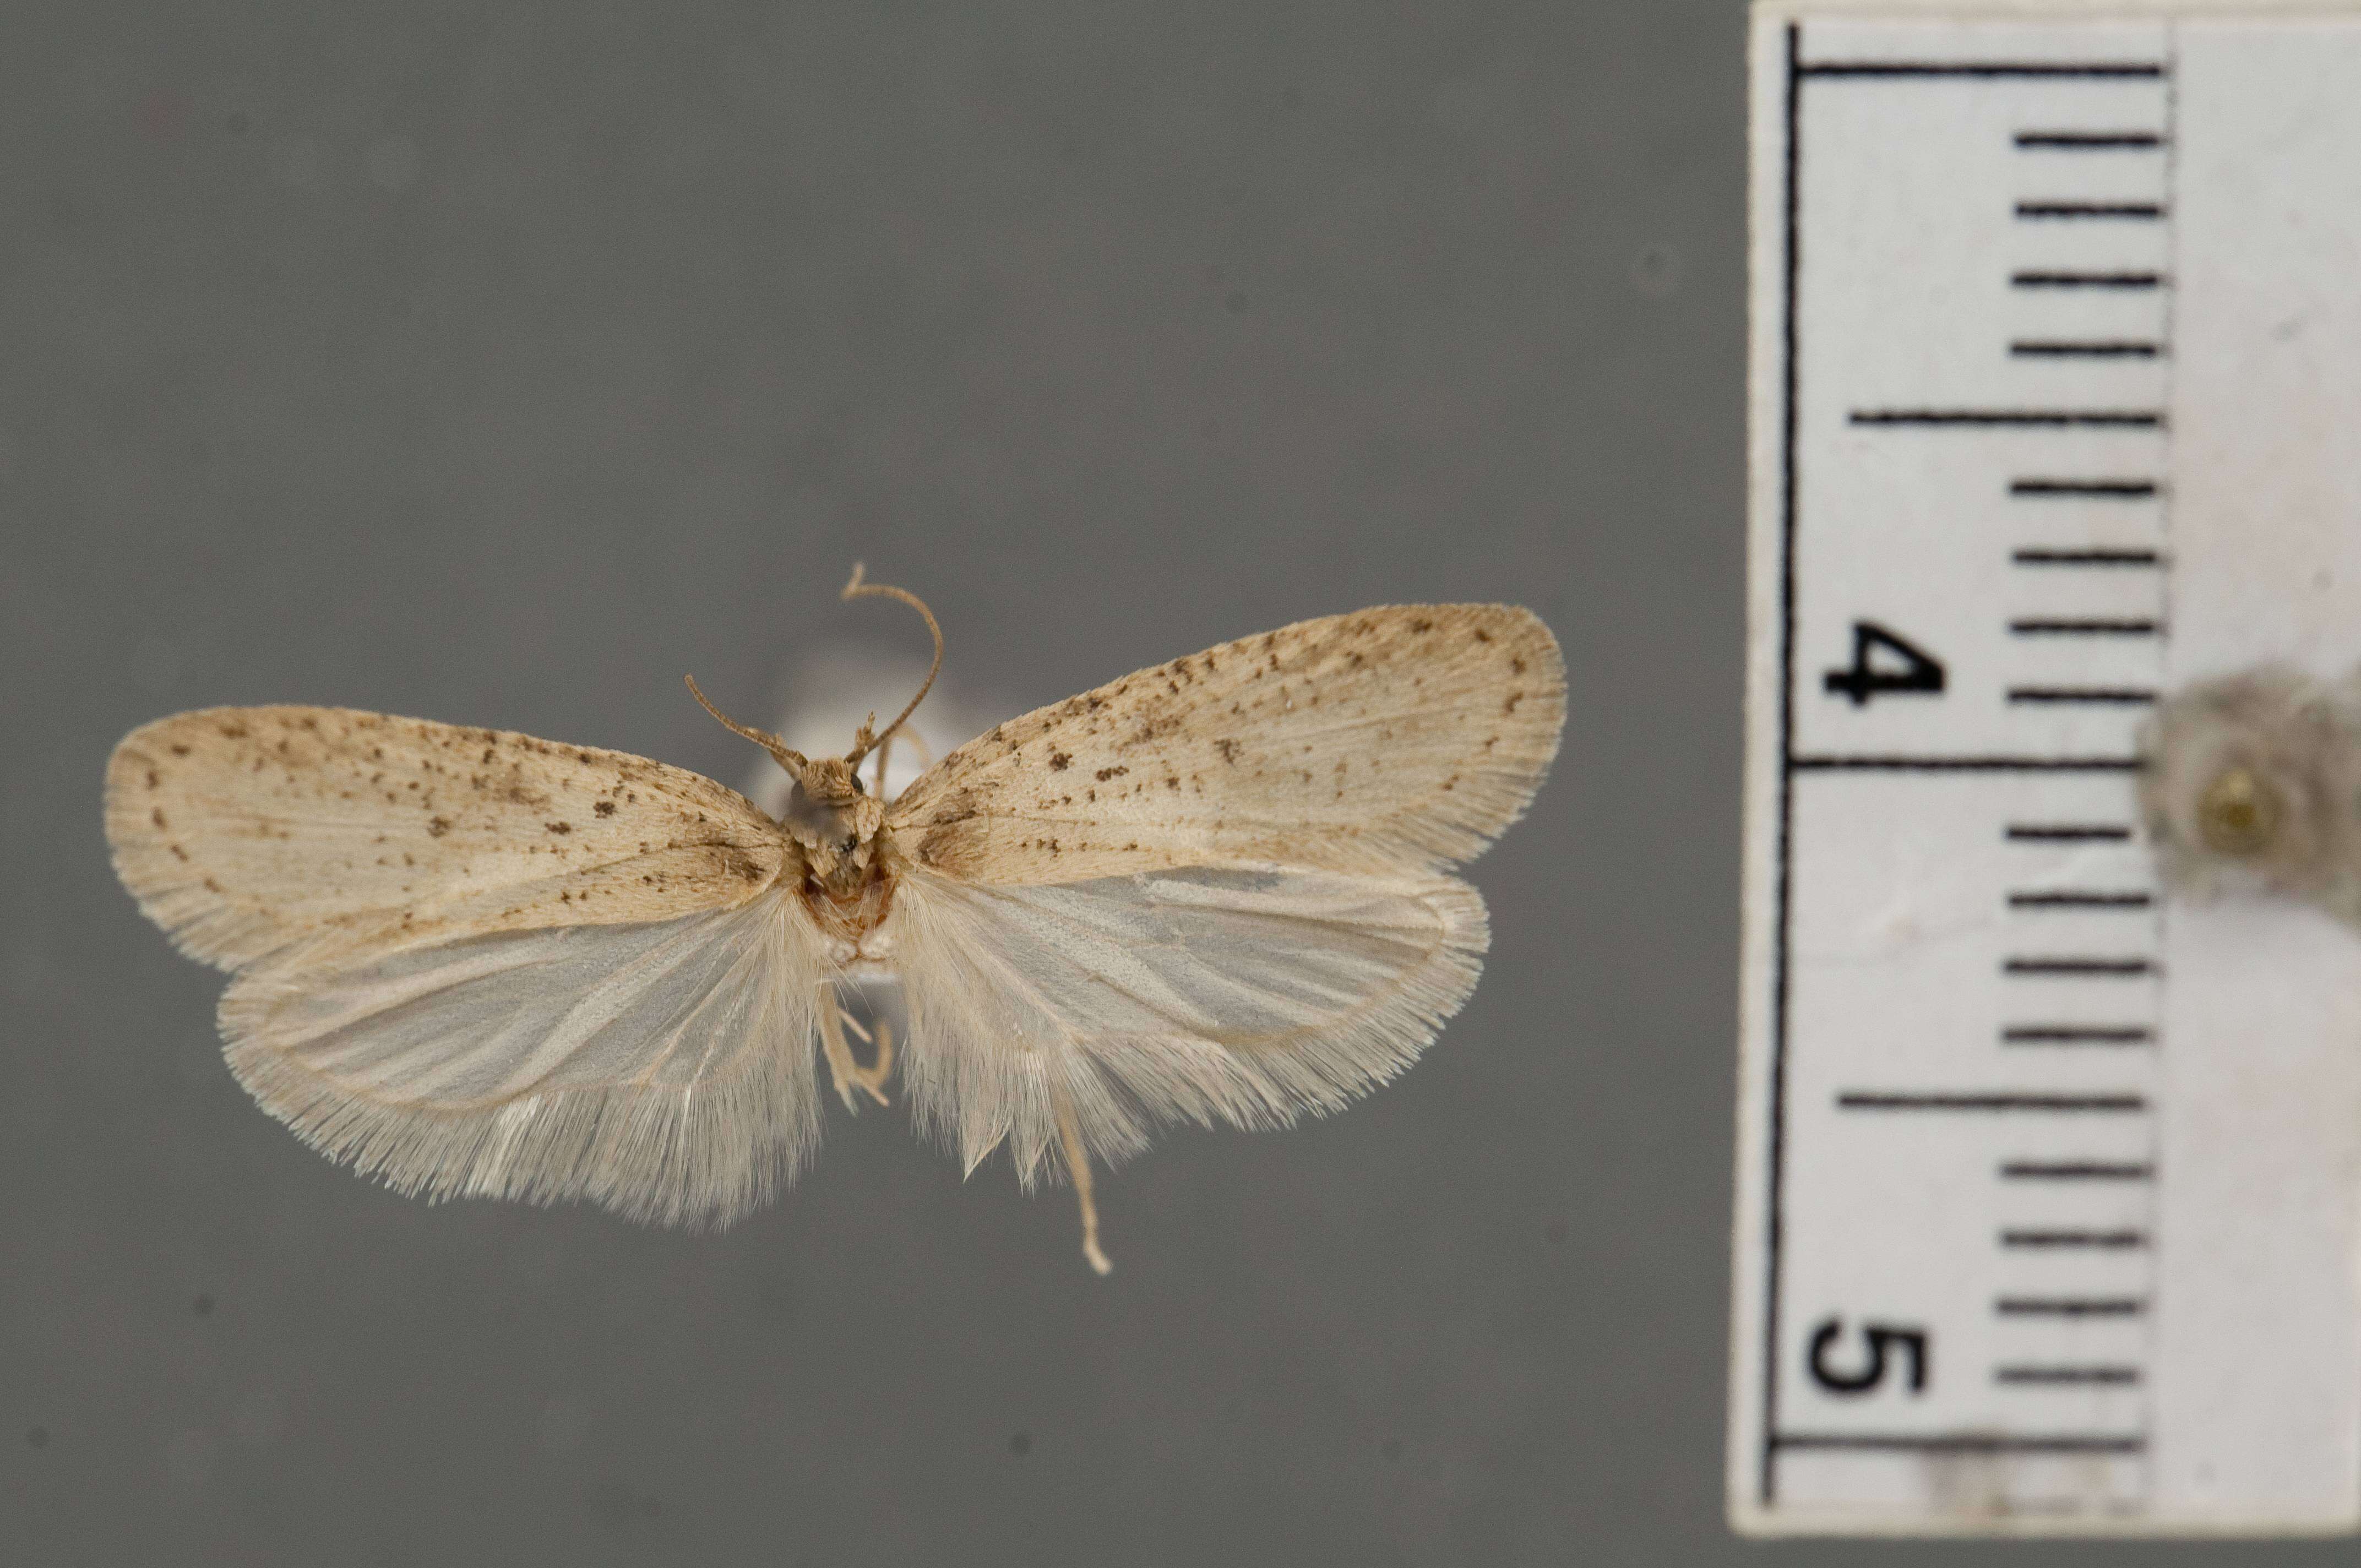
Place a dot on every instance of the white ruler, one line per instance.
(2049, 1186)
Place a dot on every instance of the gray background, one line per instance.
(501, 363)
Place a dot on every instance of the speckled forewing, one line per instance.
(244, 831)
(1395, 738)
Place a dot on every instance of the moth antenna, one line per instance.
(791, 761)
(860, 588)
(885, 749)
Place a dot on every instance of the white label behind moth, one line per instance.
(473, 963)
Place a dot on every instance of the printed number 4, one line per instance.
(1904, 666)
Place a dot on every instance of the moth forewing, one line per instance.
(1398, 739)
(245, 830)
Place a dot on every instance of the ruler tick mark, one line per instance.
(2105, 1241)
(2036, 626)
(2086, 558)
(2097, 348)
(2077, 1170)
(2115, 1375)
(1902, 764)
(2141, 70)
(2079, 898)
(2038, 419)
(2077, 1035)
(2147, 209)
(2040, 280)
(2070, 1306)
(2101, 696)
(2118, 490)
(2112, 968)
(1868, 1099)
(1966, 1443)
(2068, 832)
(2089, 141)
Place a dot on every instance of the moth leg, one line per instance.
(873, 1077)
(1078, 1162)
(840, 1065)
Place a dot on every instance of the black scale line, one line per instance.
(2084, 1376)
(2070, 1306)
(2103, 1241)
(2054, 626)
(2039, 557)
(2002, 1102)
(2092, 348)
(2055, 280)
(2078, 964)
(2012, 419)
(2148, 71)
(1874, 763)
(2113, 490)
(2088, 696)
(1782, 893)
(2137, 209)
(2077, 1035)
(2080, 898)
(2068, 832)
(1965, 1442)
(2089, 141)
(2077, 1170)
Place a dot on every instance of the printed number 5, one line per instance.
(1911, 1342)
(1903, 667)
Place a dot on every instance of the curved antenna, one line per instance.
(791, 761)
(865, 742)
(885, 747)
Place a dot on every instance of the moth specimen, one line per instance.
(472, 963)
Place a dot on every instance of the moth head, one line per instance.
(2239, 784)
(828, 814)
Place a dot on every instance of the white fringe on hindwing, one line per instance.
(1249, 996)
(664, 1071)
